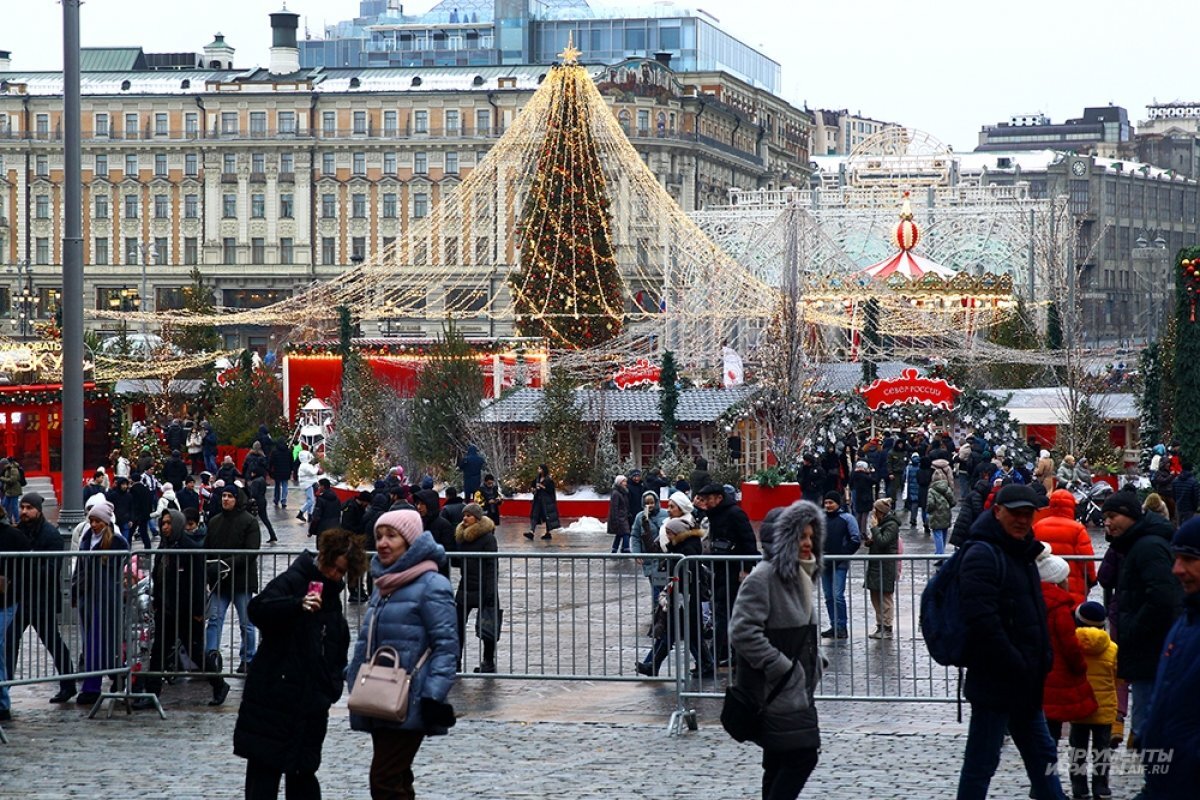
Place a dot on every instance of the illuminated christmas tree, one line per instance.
(568, 288)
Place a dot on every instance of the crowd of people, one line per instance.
(1043, 658)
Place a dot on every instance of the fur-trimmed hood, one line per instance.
(780, 537)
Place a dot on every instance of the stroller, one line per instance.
(1089, 500)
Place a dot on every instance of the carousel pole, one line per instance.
(71, 508)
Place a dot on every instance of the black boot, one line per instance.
(66, 690)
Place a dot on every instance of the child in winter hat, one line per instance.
(1101, 655)
(1051, 568)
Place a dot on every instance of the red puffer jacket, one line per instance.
(1067, 537)
(1068, 694)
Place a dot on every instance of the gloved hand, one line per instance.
(437, 714)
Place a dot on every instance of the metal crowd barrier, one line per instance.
(895, 668)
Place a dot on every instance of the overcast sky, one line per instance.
(945, 66)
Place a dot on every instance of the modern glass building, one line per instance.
(509, 32)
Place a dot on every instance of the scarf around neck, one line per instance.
(390, 582)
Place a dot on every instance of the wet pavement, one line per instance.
(531, 738)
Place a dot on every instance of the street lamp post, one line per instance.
(1150, 283)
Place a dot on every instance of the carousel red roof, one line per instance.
(905, 262)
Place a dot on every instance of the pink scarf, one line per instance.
(386, 584)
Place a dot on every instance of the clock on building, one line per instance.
(1079, 168)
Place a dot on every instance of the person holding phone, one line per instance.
(297, 674)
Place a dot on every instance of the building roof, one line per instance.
(1048, 405)
(110, 59)
(615, 405)
(841, 376)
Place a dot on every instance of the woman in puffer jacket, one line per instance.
(412, 610)
(773, 631)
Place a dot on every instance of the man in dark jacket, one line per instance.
(233, 578)
(188, 497)
(327, 509)
(228, 471)
(1007, 650)
(257, 490)
(634, 487)
(121, 501)
(174, 471)
(176, 439)
(842, 538)
(354, 513)
(699, 477)
(178, 600)
(281, 464)
(142, 501)
(428, 505)
(40, 597)
(1173, 724)
(471, 465)
(453, 509)
(1148, 595)
(812, 479)
(730, 534)
(12, 573)
(1186, 490)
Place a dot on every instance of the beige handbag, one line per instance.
(380, 690)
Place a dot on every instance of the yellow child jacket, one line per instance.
(1101, 655)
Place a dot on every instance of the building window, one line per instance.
(229, 123)
(101, 206)
(160, 165)
(41, 166)
(389, 123)
(160, 252)
(452, 163)
(286, 206)
(358, 206)
(420, 163)
(191, 124)
(229, 164)
(42, 250)
(258, 250)
(389, 163)
(328, 206)
(42, 206)
(420, 205)
(131, 251)
(131, 206)
(191, 206)
(258, 163)
(287, 163)
(191, 251)
(328, 167)
(360, 163)
(643, 122)
(420, 122)
(229, 250)
(329, 123)
(101, 126)
(389, 206)
(287, 250)
(100, 254)
(101, 168)
(160, 206)
(328, 254)
(160, 124)
(483, 121)
(131, 165)
(42, 126)
(131, 126)
(169, 298)
(452, 122)
(258, 206)
(191, 165)
(358, 247)
(360, 123)
(258, 124)
(229, 206)
(287, 122)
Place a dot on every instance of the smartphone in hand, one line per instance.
(316, 587)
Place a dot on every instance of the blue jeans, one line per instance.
(939, 541)
(1141, 692)
(985, 737)
(12, 507)
(281, 490)
(218, 604)
(833, 586)
(210, 463)
(6, 618)
(310, 500)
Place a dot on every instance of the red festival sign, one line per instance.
(641, 373)
(910, 388)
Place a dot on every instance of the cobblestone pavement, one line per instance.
(528, 740)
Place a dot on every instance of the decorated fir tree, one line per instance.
(1150, 401)
(668, 401)
(1186, 412)
(197, 298)
(568, 288)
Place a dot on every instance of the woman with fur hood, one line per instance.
(773, 632)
